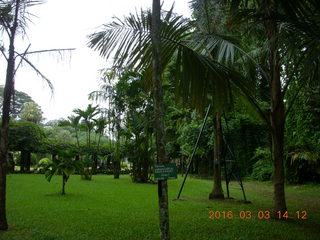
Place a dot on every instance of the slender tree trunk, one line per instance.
(116, 163)
(96, 156)
(22, 162)
(182, 165)
(89, 154)
(77, 137)
(145, 169)
(196, 165)
(217, 191)
(7, 96)
(25, 161)
(11, 163)
(145, 161)
(94, 163)
(3, 219)
(277, 112)
(159, 121)
(134, 171)
(28, 161)
(63, 183)
(116, 169)
(137, 162)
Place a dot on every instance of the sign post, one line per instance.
(164, 171)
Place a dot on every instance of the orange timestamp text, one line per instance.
(255, 215)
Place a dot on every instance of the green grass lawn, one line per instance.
(105, 208)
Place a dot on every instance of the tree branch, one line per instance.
(19, 64)
(38, 72)
(294, 99)
(285, 88)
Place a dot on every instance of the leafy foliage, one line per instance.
(65, 163)
(19, 99)
(31, 112)
(262, 169)
(303, 134)
(25, 136)
(130, 107)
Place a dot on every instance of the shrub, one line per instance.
(303, 166)
(262, 168)
(43, 163)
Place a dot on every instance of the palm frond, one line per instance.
(25, 59)
(128, 41)
(197, 76)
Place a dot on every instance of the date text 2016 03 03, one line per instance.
(302, 215)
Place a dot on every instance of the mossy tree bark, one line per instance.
(159, 118)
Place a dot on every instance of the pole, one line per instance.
(194, 150)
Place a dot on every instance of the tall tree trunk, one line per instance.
(217, 187)
(277, 112)
(277, 135)
(7, 96)
(159, 118)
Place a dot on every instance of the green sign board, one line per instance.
(163, 171)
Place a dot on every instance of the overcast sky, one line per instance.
(65, 24)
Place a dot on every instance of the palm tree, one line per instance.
(107, 92)
(290, 57)
(130, 41)
(100, 126)
(13, 21)
(198, 72)
(88, 117)
(14, 16)
(66, 164)
(129, 101)
(290, 53)
(159, 117)
(195, 73)
(207, 24)
(74, 122)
